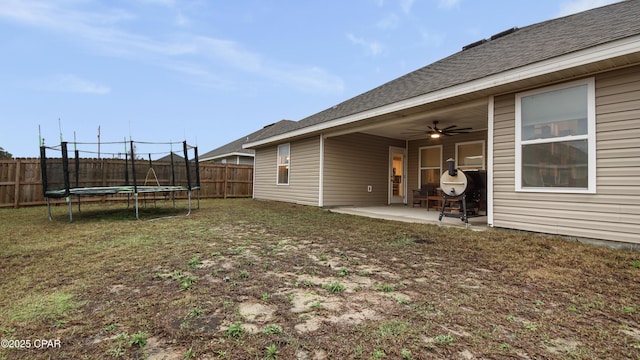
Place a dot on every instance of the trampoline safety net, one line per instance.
(78, 172)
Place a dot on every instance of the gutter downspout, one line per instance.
(321, 173)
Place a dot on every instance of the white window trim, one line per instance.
(278, 183)
(484, 151)
(420, 168)
(591, 139)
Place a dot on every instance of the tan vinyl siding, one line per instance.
(611, 213)
(352, 162)
(448, 151)
(304, 173)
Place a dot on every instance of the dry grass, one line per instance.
(243, 279)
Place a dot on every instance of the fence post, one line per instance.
(224, 183)
(16, 187)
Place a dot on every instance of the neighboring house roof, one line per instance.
(176, 157)
(235, 147)
(512, 49)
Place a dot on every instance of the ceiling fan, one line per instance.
(435, 132)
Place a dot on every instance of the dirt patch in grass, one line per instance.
(243, 279)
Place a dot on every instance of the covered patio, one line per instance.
(410, 214)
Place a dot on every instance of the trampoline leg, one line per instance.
(188, 202)
(70, 203)
(198, 199)
(136, 201)
(49, 209)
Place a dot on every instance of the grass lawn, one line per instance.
(245, 279)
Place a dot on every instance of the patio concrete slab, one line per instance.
(410, 214)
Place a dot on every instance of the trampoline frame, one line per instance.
(68, 191)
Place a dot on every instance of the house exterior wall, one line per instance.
(353, 162)
(448, 151)
(304, 173)
(611, 213)
(235, 159)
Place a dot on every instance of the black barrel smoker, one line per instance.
(463, 192)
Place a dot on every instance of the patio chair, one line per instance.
(421, 196)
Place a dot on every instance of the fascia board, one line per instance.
(225, 155)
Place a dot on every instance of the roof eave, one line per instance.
(226, 155)
(586, 56)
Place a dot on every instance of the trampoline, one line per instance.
(118, 173)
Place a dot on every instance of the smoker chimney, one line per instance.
(452, 167)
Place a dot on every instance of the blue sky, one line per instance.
(210, 72)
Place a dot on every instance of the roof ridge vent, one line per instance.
(472, 45)
(504, 33)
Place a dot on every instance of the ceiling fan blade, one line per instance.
(461, 130)
(449, 127)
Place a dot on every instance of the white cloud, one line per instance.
(308, 79)
(167, 3)
(430, 39)
(100, 32)
(181, 19)
(448, 4)
(391, 21)
(576, 6)
(406, 5)
(373, 47)
(75, 84)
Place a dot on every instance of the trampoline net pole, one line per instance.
(173, 179)
(186, 163)
(65, 172)
(43, 170)
(195, 151)
(133, 170)
(126, 174)
(197, 163)
(77, 172)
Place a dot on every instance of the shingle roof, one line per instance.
(236, 145)
(176, 157)
(527, 45)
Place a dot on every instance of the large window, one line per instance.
(555, 138)
(470, 155)
(283, 164)
(430, 165)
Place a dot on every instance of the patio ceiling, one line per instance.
(410, 127)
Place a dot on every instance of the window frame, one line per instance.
(484, 155)
(590, 137)
(286, 164)
(420, 167)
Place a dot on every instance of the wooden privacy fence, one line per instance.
(21, 181)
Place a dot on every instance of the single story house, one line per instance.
(234, 153)
(168, 157)
(554, 112)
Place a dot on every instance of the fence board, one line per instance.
(21, 182)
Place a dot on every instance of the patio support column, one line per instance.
(490, 161)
